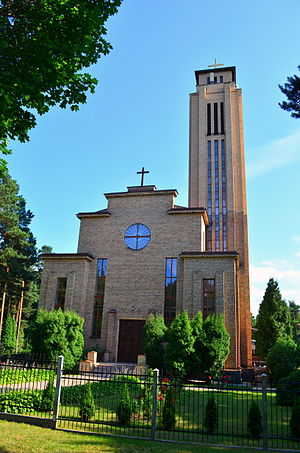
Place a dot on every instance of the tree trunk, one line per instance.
(19, 315)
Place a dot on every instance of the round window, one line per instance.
(137, 236)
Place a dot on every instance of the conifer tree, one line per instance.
(254, 423)
(9, 335)
(211, 416)
(152, 337)
(180, 345)
(273, 319)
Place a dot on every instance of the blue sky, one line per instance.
(139, 117)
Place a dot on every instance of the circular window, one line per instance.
(137, 236)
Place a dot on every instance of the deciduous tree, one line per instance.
(45, 45)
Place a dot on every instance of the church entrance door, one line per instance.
(130, 335)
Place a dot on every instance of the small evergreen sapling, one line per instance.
(295, 419)
(254, 423)
(211, 416)
(47, 402)
(168, 411)
(124, 408)
(87, 404)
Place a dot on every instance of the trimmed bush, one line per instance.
(152, 337)
(254, 424)
(295, 418)
(48, 395)
(168, 418)
(124, 407)
(288, 388)
(211, 416)
(87, 404)
(20, 402)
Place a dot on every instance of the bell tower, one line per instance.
(217, 178)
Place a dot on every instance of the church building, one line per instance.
(144, 254)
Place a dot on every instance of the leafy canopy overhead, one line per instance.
(44, 47)
(291, 89)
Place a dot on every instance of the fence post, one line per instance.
(60, 365)
(154, 403)
(265, 412)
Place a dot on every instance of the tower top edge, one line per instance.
(232, 69)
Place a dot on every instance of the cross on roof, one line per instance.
(215, 64)
(143, 172)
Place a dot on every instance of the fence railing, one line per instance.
(147, 405)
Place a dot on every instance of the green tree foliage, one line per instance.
(212, 346)
(180, 345)
(152, 337)
(288, 388)
(48, 396)
(211, 416)
(291, 90)
(124, 407)
(282, 359)
(273, 319)
(57, 333)
(87, 404)
(254, 423)
(295, 418)
(168, 416)
(295, 316)
(18, 253)
(9, 335)
(45, 46)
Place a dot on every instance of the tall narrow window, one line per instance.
(208, 119)
(209, 199)
(60, 293)
(224, 195)
(209, 297)
(222, 118)
(217, 195)
(99, 297)
(170, 290)
(216, 124)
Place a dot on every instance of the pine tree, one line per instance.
(180, 345)
(273, 320)
(18, 254)
(291, 89)
(152, 337)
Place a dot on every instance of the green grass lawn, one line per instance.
(21, 438)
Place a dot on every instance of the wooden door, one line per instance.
(130, 335)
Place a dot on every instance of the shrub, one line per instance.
(87, 404)
(282, 359)
(9, 335)
(295, 418)
(287, 388)
(152, 337)
(124, 407)
(48, 395)
(57, 333)
(211, 416)
(168, 418)
(254, 424)
(22, 402)
(180, 345)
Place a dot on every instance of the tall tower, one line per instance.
(217, 177)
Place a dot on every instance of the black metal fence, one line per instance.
(149, 406)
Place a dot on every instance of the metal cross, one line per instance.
(143, 172)
(215, 64)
